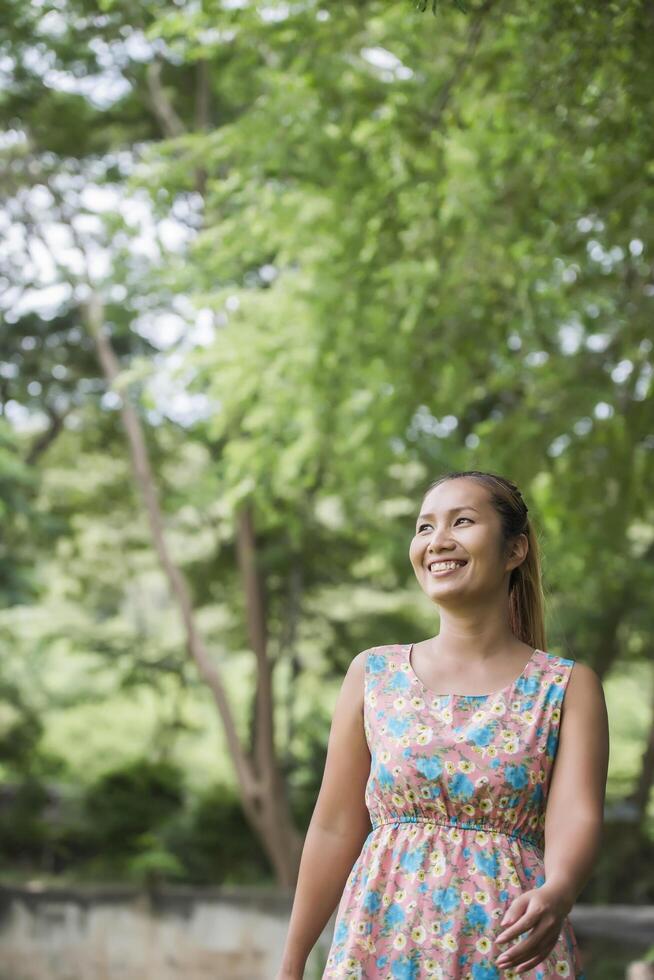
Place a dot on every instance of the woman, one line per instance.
(486, 808)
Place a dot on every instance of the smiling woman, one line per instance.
(486, 809)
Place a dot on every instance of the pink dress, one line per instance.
(456, 794)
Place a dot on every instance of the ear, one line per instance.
(519, 550)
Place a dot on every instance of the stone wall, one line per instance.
(118, 934)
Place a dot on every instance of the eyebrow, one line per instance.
(452, 510)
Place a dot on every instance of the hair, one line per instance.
(526, 597)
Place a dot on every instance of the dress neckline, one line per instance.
(473, 697)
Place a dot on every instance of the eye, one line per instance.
(458, 519)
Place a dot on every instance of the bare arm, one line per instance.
(575, 804)
(339, 825)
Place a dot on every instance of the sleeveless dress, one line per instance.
(456, 794)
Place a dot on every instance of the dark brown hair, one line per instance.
(526, 598)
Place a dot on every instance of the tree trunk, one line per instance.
(263, 793)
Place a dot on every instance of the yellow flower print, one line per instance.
(386, 900)
(466, 766)
(424, 738)
(515, 705)
(372, 698)
(425, 791)
(558, 678)
(482, 897)
(439, 866)
(361, 926)
(455, 835)
(399, 703)
(469, 809)
(435, 927)
(481, 837)
(434, 969)
(484, 945)
(421, 875)
(529, 717)
(447, 716)
(512, 746)
(450, 768)
(400, 895)
(513, 879)
(498, 707)
(417, 703)
(405, 741)
(410, 796)
(419, 934)
(562, 968)
(397, 799)
(486, 805)
(448, 941)
(400, 941)
(384, 756)
(491, 751)
(556, 714)
(461, 737)
(512, 815)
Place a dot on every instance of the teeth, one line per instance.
(440, 565)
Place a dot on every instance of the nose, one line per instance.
(436, 542)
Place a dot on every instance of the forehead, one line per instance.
(454, 494)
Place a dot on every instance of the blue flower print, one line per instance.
(405, 969)
(400, 683)
(446, 899)
(480, 736)
(484, 971)
(528, 685)
(372, 901)
(398, 726)
(516, 776)
(478, 917)
(461, 786)
(385, 778)
(412, 861)
(340, 932)
(487, 863)
(430, 768)
(376, 663)
(394, 915)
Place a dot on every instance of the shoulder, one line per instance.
(584, 695)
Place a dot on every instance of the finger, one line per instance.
(521, 925)
(530, 964)
(520, 953)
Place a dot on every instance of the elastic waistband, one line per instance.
(461, 825)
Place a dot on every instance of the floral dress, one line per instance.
(456, 794)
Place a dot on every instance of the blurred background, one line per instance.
(266, 271)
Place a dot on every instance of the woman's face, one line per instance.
(458, 522)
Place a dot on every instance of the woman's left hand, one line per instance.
(541, 910)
